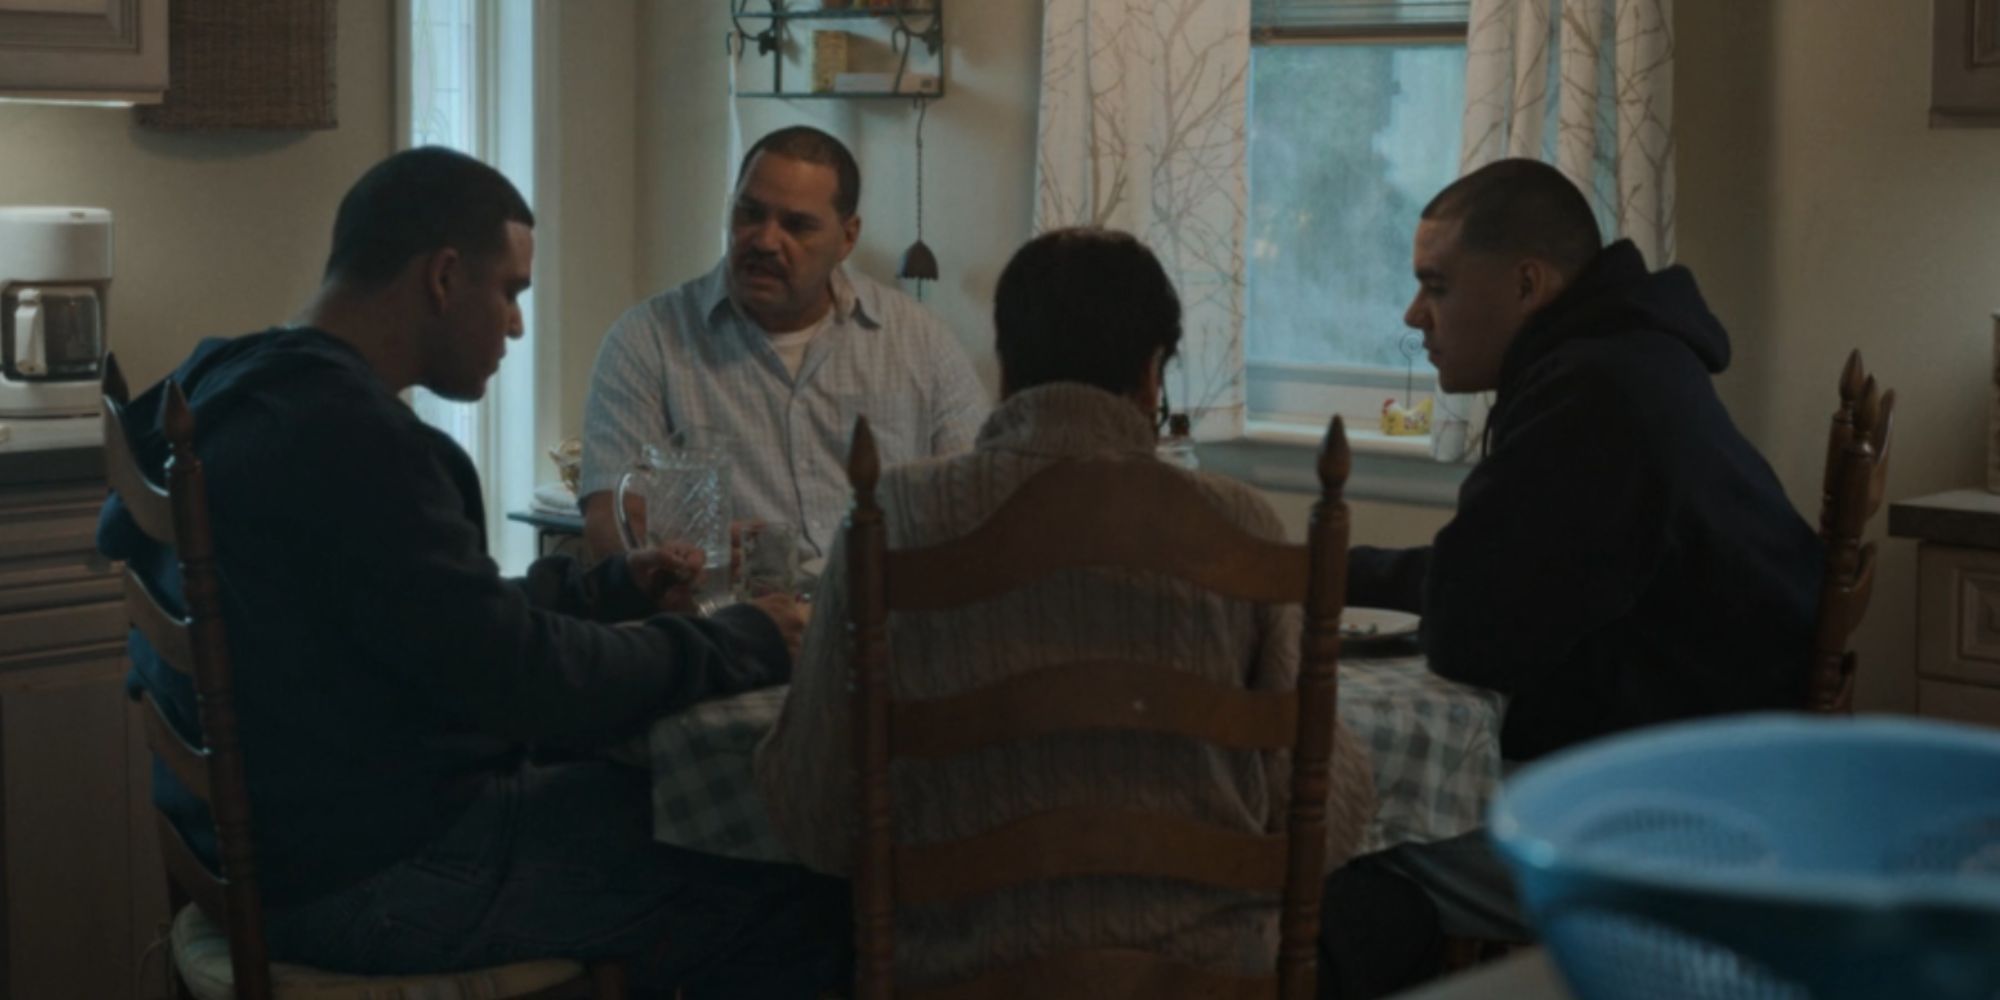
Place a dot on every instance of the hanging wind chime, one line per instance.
(919, 263)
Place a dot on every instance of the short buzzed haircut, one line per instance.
(1084, 305)
(415, 202)
(1521, 207)
(810, 145)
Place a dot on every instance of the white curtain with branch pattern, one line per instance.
(1587, 85)
(1143, 109)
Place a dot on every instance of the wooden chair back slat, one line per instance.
(189, 763)
(148, 503)
(195, 645)
(1104, 972)
(1129, 515)
(1102, 695)
(1063, 843)
(167, 632)
(186, 872)
(1853, 487)
(1079, 514)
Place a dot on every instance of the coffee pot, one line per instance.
(55, 280)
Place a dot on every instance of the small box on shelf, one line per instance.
(829, 59)
(913, 84)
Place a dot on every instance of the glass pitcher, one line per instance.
(682, 486)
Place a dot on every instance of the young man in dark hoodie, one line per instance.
(1620, 555)
(389, 681)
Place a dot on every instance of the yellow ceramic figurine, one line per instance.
(1406, 421)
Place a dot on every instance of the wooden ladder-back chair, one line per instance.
(1851, 492)
(193, 643)
(1074, 514)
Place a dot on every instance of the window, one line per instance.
(468, 82)
(1355, 112)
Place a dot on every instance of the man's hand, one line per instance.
(789, 615)
(667, 575)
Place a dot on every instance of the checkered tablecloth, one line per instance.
(1435, 746)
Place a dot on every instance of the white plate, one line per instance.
(1377, 623)
(554, 498)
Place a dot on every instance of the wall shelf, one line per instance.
(909, 23)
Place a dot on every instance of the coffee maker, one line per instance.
(55, 279)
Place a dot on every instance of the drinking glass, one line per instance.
(682, 489)
(770, 560)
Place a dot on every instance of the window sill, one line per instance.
(1364, 440)
(1277, 455)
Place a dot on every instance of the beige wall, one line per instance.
(1821, 213)
(595, 249)
(214, 234)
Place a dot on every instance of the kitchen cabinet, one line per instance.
(82, 892)
(1965, 62)
(1958, 602)
(101, 50)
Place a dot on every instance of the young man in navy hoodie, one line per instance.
(389, 681)
(1620, 556)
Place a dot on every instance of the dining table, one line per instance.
(1433, 746)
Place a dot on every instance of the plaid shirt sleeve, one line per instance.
(627, 403)
(959, 404)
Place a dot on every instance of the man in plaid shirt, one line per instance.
(779, 348)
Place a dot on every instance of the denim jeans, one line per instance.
(559, 862)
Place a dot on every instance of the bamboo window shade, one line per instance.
(248, 64)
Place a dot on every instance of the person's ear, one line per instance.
(850, 234)
(442, 270)
(1540, 283)
(1151, 381)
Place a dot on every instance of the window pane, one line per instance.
(442, 76)
(443, 82)
(1347, 143)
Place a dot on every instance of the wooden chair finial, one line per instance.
(1868, 411)
(1336, 456)
(864, 464)
(176, 418)
(1878, 434)
(1851, 378)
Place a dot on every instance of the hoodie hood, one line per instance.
(221, 374)
(1614, 295)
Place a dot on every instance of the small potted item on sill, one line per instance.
(1406, 421)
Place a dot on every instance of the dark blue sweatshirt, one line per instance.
(383, 667)
(1621, 555)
